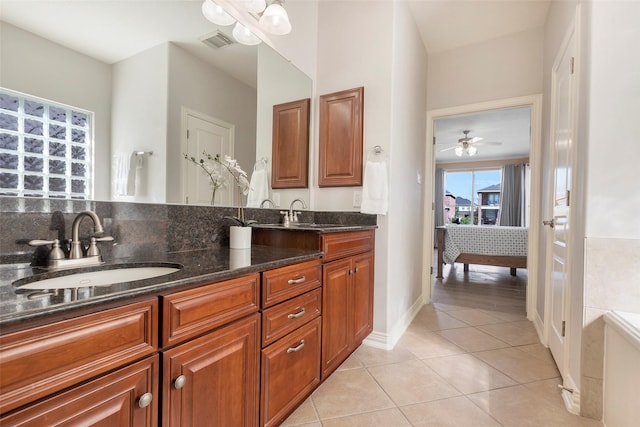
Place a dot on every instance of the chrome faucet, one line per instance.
(76, 248)
(56, 258)
(293, 216)
(267, 200)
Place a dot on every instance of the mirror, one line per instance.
(141, 67)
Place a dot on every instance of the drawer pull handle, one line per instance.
(296, 315)
(145, 400)
(180, 381)
(296, 348)
(297, 281)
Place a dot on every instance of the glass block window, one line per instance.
(45, 148)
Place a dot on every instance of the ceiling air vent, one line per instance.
(217, 40)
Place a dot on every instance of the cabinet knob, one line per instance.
(180, 381)
(296, 348)
(296, 315)
(301, 279)
(145, 400)
(357, 269)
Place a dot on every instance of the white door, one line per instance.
(558, 280)
(214, 137)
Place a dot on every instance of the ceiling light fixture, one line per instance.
(244, 35)
(467, 148)
(216, 14)
(275, 19)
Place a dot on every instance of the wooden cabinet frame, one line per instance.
(341, 133)
(290, 145)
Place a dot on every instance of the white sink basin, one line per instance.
(99, 278)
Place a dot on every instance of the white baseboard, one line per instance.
(387, 341)
(571, 398)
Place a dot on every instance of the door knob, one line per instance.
(550, 223)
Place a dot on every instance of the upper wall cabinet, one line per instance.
(290, 149)
(341, 120)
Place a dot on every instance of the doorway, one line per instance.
(535, 104)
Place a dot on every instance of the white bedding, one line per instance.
(484, 240)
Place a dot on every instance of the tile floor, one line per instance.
(456, 365)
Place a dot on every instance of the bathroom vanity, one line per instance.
(210, 344)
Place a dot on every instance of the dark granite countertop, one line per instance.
(319, 228)
(199, 266)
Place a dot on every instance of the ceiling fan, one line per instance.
(468, 145)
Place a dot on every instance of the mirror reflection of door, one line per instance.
(215, 137)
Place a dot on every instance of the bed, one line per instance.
(485, 245)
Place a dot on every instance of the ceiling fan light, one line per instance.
(255, 6)
(216, 14)
(244, 35)
(472, 150)
(458, 151)
(275, 19)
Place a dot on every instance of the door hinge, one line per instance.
(433, 206)
(563, 327)
(573, 63)
(187, 133)
(431, 271)
(568, 197)
(434, 140)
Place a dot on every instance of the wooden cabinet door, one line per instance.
(341, 121)
(362, 297)
(214, 380)
(290, 145)
(111, 400)
(336, 314)
(290, 372)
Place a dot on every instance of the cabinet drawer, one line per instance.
(112, 399)
(290, 371)
(283, 318)
(287, 282)
(340, 245)
(194, 311)
(49, 358)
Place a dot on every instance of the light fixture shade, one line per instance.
(255, 6)
(472, 150)
(216, 14)
(244, 35)
(275, 20)
(458, 151)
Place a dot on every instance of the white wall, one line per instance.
(612, 243)
(501, 68)
(198, 86)
(35, 66)
(406, 163)
(278, 83)
(139, 121)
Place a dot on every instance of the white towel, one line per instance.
(258, 188)
(375, 188)
(126, 169)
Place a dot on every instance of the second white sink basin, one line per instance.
(99, 277)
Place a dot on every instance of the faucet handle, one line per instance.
(39, 242)
(104, 239)
(56, 250)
